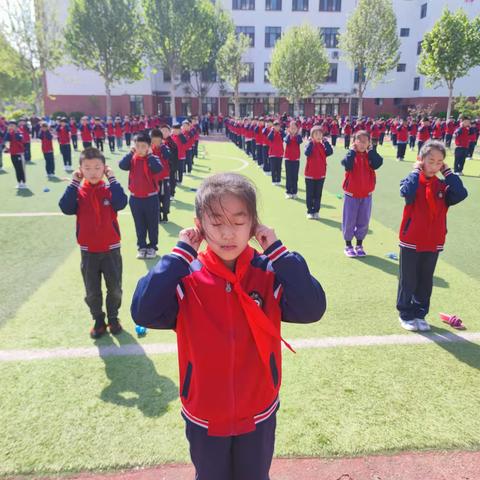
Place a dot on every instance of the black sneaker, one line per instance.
(114, 326)
(98, 330)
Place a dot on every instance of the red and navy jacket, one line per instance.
(98, 132)
(347, 130)
(462, 137)
(46, 137)
(402, 134)
(225, 386)
(96, 208)
(420, 230)
(163, 153)
(450, 127)
(423, 133)
(142, 181)
(86, 132)
(334, 130)
(118, 129)
(317, 153)
(110, 130)
(73, 127)
(413, 129)
(181, 142)
(25, 131)
(127, 127)
(292, 147)
(258, 135)
(437, 132)
(16, 142)
(276, 144)
(360, 178)
(63, 135)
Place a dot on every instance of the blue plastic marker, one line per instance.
(141, 331)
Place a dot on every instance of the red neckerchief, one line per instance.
(260, 325)
(93, 196)
(144, 160)
(429, 193)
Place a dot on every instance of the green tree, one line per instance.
(370, 43)
(104, 36)
(298, 76)
(32, 30)
(230, 65)
(470, 108)
(174, 36)
(450, 50)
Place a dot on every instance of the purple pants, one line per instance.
(356, 217)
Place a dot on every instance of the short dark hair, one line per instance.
(165, 125)
(156, 133)
(430, 145)
(143, 137)
(361, 133)
(91, 153)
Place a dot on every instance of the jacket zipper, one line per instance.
(228, 289)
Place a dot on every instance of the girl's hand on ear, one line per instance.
(418, 164)
(265, 236)
(191, 236)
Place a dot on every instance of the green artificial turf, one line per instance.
(75, 414)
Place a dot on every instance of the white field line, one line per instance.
(299, 344)
(244, 162)
(43, 214)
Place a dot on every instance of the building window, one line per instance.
(355, 75)
(265, 73)
(166, 76)
(209, 104)
(419, 47)
(249, 32)
(250, 75)
(271, 105)
(186, 106)
(136, 105)
(326, 106)
(401, 67)
(332, 73)
(273, 5)
(404, 32)
(397, 101)
(272, 34)
(379, 101)
(330, 37)
(164, 106)
(208, 75)
(246, 107)
(300, 5)
(185, 77)
(243, 4)
(416, 83)
(330, 5)
(423, 11)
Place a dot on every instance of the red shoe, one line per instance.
(97, 331)
(115, 327)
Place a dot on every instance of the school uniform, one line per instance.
(267, 168)
(98, 235)
(63, 137)
(375, 135)
(437, 132)
(163, 178)
(143, 196)
(3, 131)
(190, 136)
(46, 139)
(315, 173)
(98, 136)
(450, 130)
(334, 132)
(423, 136)
(259, 144)
(472, 141)
(347, 132)
(25, 131)
(17, 150)
(462, 142)
(86, 135)
(173, 163)
(230, 363)
(422, 237)
(119, 134)
(127, 127)
(74, 134)
(358, 186)
(402, 139)
(292, 162)
(275, 155)
(412, 134)
(111, 136)
(181, 142)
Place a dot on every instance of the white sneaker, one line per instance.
(310, 216)
(423, 325)
(288, 196)
(410, 325)
(19, 186)
(151, 253)
(294, 196)
(142, 252)
(316, 216)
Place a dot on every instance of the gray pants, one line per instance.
(93, 266)
(356, 217)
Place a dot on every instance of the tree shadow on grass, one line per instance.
(179, 205)
(134, 380)
(391, 267)
(463, 350)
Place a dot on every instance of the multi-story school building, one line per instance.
(70, 89)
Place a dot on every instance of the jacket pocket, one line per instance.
(115, 227)
(186, 381)
(274, 370)
(407, 225)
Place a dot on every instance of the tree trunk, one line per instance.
(296, 107)
(450, 97)
(108, 93)
(173, 112)
(237, 102)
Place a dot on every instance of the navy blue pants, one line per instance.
(266, 159)
(27, 155)
(145, 213)
(66, 151)
(244, 457)
(276, 167)
(49, 163)
(180, 170)
(292, 167)
(259, 155)
(460, 157)
(75, 142)
(415, 283)
(314, 189)
(189, 161)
